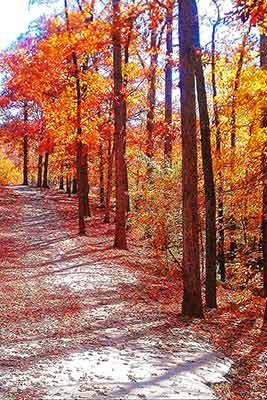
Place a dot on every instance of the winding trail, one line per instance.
(72, 324)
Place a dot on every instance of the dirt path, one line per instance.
(71, 325)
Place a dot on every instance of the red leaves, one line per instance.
(4, 101)
(255, 11)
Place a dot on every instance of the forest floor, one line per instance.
(80, 320)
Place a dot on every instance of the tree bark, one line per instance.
(74, 186)
(40, 168)
(61, 182)
(81, 187)
(25, 148)
(124, 115)
(101, 177)
(192, 302)
(111, 151)
(80, 160)
(210, 200)
(68, 185)
(120, 241)
(45, 174)
(85, 180)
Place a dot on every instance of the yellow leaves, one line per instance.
(257, 142)
(9, 173)
(57, 22)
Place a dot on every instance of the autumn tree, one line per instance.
(210, 200)
(120, 241)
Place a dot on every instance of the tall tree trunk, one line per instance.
(85, 179)
(74, 186)
(61, 178)
(25, 147)
(120, 241)
(263, 63)
(192, 302)
(61, 182)
(220, 208)
(80, 159)
(210, 200)
(45, 174)
(168, 88)
(81, 187)
(124, 115)
(111, 151)
(40, 168)
(68, 185)
(101, 177)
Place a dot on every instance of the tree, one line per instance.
(210, 199)
(40, 168)
(45, 174)
(81, 158)
(120, 241)
(192, 302)
(25, 146)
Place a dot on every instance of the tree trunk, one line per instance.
(210, 200)
(74, 186)
(111, 151)
(124, 115)
(81, 186)
(192, 302)
(85, 180)
(45, 174)
(101, 177)
(80, 160)
(220, 208)
(25, 148)
(120, 241)
(40, 169)
(61, 178)
(168, 89)
(61, 182)
(263, 63)
(68, 185)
